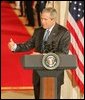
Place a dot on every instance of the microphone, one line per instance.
(49, 47)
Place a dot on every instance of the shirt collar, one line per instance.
(50, 29)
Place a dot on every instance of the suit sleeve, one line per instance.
(30, 44)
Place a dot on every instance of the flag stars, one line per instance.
(74, 8)
(78, 15)
(80, 4)
(79, 9)
(75, 2)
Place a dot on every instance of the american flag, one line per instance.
(75, 24)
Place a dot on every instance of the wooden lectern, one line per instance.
(48, 80)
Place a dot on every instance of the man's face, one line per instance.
(46, 20)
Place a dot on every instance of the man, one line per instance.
(29, 13)
(57, 42)
(40, 5)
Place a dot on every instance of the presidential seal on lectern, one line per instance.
(50, 61)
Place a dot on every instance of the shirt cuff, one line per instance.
(14, 47)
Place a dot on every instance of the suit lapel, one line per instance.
(41, 34)
(43, 31)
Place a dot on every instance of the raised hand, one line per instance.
(11, 44)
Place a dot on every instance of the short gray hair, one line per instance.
(52, 11)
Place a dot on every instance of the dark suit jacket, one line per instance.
(40, 6)
(59, 38)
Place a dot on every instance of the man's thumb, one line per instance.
(11, 40)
